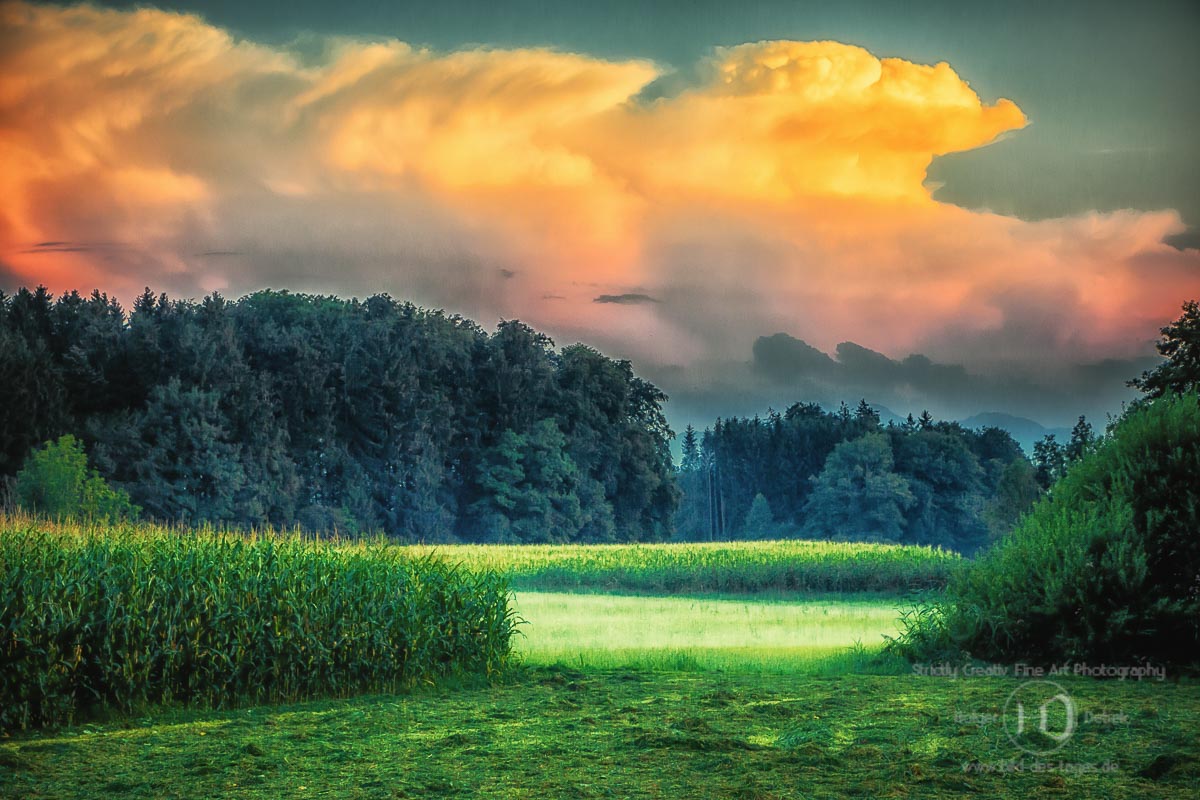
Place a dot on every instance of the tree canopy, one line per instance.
(843, 474)
(1180, 346)
(289, 409)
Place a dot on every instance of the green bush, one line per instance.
(128, 617)
(1105, 568)
(55, 481)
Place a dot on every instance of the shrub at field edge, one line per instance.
(1105, 569)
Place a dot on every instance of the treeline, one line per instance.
(817, 474)
(285, 409)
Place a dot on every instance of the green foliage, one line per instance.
(1083, 441)
(690, 447)
(947, 483)
(32, 398)
(132, 616)
(57, 483)
(866, 415)
(1180, 346)
(1049, 460)
(693, 521)
(759, 520)
(529, 484)
(857, 495)
(188, 466)
(1106, 567)
(1016, 493)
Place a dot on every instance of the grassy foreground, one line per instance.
(556, 732)
(705, 567)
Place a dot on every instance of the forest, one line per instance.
(293, 410)
(357, 416)
(842, 474)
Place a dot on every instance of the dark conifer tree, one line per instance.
(1083, 440)
(690, 461)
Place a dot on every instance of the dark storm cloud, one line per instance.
(71, 247)
(782, 357)
(1188, 240)
(864, 363)
(629, 299)
(784, 369)
(857, 369)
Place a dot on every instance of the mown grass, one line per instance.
(131, 616)
(561, 733)
(729, 567)
(712, 633)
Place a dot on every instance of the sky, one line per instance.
(929, 205)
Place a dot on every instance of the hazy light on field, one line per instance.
(611, 630)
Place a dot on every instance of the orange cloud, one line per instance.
(787, 120)
(783, 191)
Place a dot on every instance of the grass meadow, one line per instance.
(730, 633)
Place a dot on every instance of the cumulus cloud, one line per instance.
(786, 120)
(784, 189)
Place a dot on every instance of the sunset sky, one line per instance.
(930, 205)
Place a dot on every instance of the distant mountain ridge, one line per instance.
(1024, 430)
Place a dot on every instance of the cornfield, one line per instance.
(733, 567)
(132, 616)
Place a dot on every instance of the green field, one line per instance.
(727, 633)
(724, 567)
